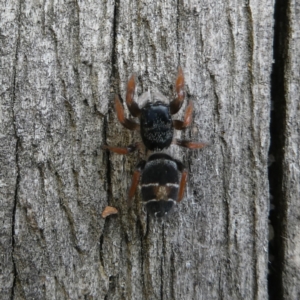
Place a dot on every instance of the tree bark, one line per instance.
(61, 65)
(287, 160)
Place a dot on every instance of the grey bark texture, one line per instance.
(61, 65)
(291, 156)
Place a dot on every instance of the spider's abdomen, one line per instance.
(156, 126)
(160, 184)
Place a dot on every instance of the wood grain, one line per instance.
(291, 159)
(63, 62)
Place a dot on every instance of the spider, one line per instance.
(156, 125)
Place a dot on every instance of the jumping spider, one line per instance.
(156, 125)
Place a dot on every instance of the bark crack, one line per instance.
(108, 164)
(173, 274)
(14, 82)
(277, 132)
(162, 262)
(114, 82)
(178, 30)
(142, 237)
(115, 76)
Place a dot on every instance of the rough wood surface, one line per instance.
(8, 145)
(62, 62)
(291, 160)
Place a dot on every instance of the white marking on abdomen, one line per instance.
(150, 184)
(172, 184)
(157, 184)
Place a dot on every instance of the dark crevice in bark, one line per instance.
(114, 82)
(142, 253)
(173, 274)
(14, 219)
(178, 31)
(143, 234)
(101, 250)
(161, 278)
(108, 165)
(115, 76)
(163, 256)
(18, 144)
(114, 87)
(111, 287)
(277, 132)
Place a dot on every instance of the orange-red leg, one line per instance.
(135, 181)
(189, 144)
(188, 117)
(122, 150)
(131, 104)
(182, 185)
(121, 116)
(179, 88)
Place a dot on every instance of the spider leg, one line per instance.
(175, 105)
(121, 116)
(189, 144)
(135, 180)
(184, 175)
(131, 104)
(182, 185)
(122, 150)
(188, 117)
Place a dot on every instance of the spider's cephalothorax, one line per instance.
(156, 125)
(161, 185)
